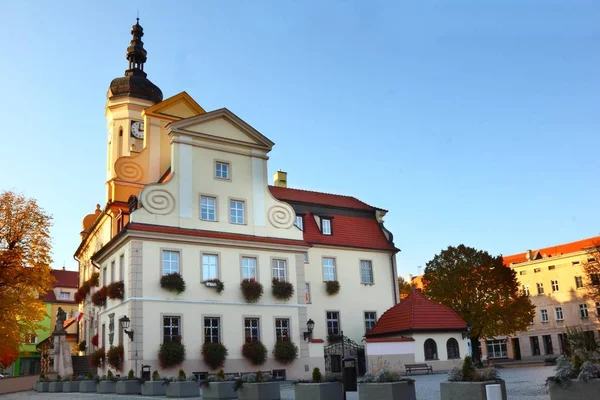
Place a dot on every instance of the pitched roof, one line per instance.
(318, 198)
(417, 313)
(63, 279)
(554, 251)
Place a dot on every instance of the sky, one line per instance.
(473, 122)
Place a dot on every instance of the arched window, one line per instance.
(431, 350)
(452, 349)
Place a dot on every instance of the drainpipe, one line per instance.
(394, 277)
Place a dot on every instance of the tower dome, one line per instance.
(135, 83)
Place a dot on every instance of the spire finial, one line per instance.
(136, 54)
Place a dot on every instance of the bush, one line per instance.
(114, 356)
(90, 375)
(82, 346)
(468, 369)
(130, 374)
(155, 376)
(255, 352)
(95, 340)
(116, 290)
(316, 375)
(99, 298)
(214, 354)
(109, 375)
(588, 371)
(181, 376)
(282, 290)
(332, 287)
(285, 351)
(172, 282)
(97, 358)
(251, 290)
(171, 353)
(220, 285)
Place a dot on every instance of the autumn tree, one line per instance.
(404, 287)
(592, 272)
(481, 290)
(24, 270)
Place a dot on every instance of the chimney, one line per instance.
(528, 255)
(280, 179)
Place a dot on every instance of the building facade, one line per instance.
(188, 193)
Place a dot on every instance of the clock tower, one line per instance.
(127, 98)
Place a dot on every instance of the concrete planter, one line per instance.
(183, 389)
(260, 391)
(219, 390)
(154, 388)
(70, 386)
(319, 391)
(55, 387)
(129, 387)
(387, 391)
(468, 390)
(575, 389)
(88, 386)
(41, 386)
(106, 387)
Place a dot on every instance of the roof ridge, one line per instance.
(314, 191)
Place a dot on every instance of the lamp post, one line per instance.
(309, 326)
(125, 323)
(469, 329)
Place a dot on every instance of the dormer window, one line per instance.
(222, 170)
(325, 226)
(299, 222)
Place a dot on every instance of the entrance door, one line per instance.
(516, 348)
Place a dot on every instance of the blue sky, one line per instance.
(472, 122)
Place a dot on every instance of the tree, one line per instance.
(481, 290)
(404, 287)
(24, 270)
(592, 272)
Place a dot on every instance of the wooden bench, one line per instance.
(418, 367)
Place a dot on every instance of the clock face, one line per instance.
(137, 129)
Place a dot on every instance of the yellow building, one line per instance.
(187, 192)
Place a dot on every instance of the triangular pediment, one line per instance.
(222, 125)
(175, 108)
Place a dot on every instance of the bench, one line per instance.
(418, 367)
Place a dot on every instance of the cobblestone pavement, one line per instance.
(521, 384)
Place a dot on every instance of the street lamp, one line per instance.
(125, 322)
(469, 329)
(309, 326)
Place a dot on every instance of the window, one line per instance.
(249, 268)
(328, 269)
(222, 170)
(208, 208)
(325, 226)
(430, 350)
(370, 319)
(554, 286)
(305, 257)
(104, 276)
(525, 290)
(595, 278)
(210, 267)
(540, 288)
(122, 267)
(282, 328)
(333, 323)
(212, 330)
(522, 272)
(535, 345)
(591, 259)
(544, 314)
(112, 271)
(336, 363)
(452, 349)
(299, 222)
(236, 212)
(170, 262)
(65, 295)
(578, 282)
(103, 335)
(279, 270)
(171, 328)
(574, 263)
(583, 311)
(598, 309)
(547, 340)
(366, 272)
(251, 329)
(31, 338)
(536, 270)
(496, 348)
(307, 292)
(558, 311)
(551, 267)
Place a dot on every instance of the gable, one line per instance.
(180, 106)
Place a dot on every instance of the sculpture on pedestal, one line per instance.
(61, 353)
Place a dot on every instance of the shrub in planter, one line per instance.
(156, 387)
(97, 358)
(332, 287)
(383, 383)
(82, 346)
(182, 387)
(95, 340)
(116, 290)
(172, 282)
(285, 351)
(107, 384)
(216, 283)
(214, 354)
(256, 386)
(114, 357)
(171, 353)
(282, 290)
(251, 290)
(318, 388)
(469, 383)
(99, 298)
(255, 352)
(129, 384)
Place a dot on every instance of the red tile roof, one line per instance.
(554, 251)
(318, 198)
(63, 279)
(387, 340)
(417, 313)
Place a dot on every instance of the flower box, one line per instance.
(183, 389)
(106, 387)
(41, 386)
(576, 389)
(259, 391)
(154, 388)
(129, 387)
(71, 386)
(55, 387)
(219, 390)
(319, 391)
(387, 391)
(88, 386)
(468, 390)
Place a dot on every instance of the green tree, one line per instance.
(404, 287)
(481, 290)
